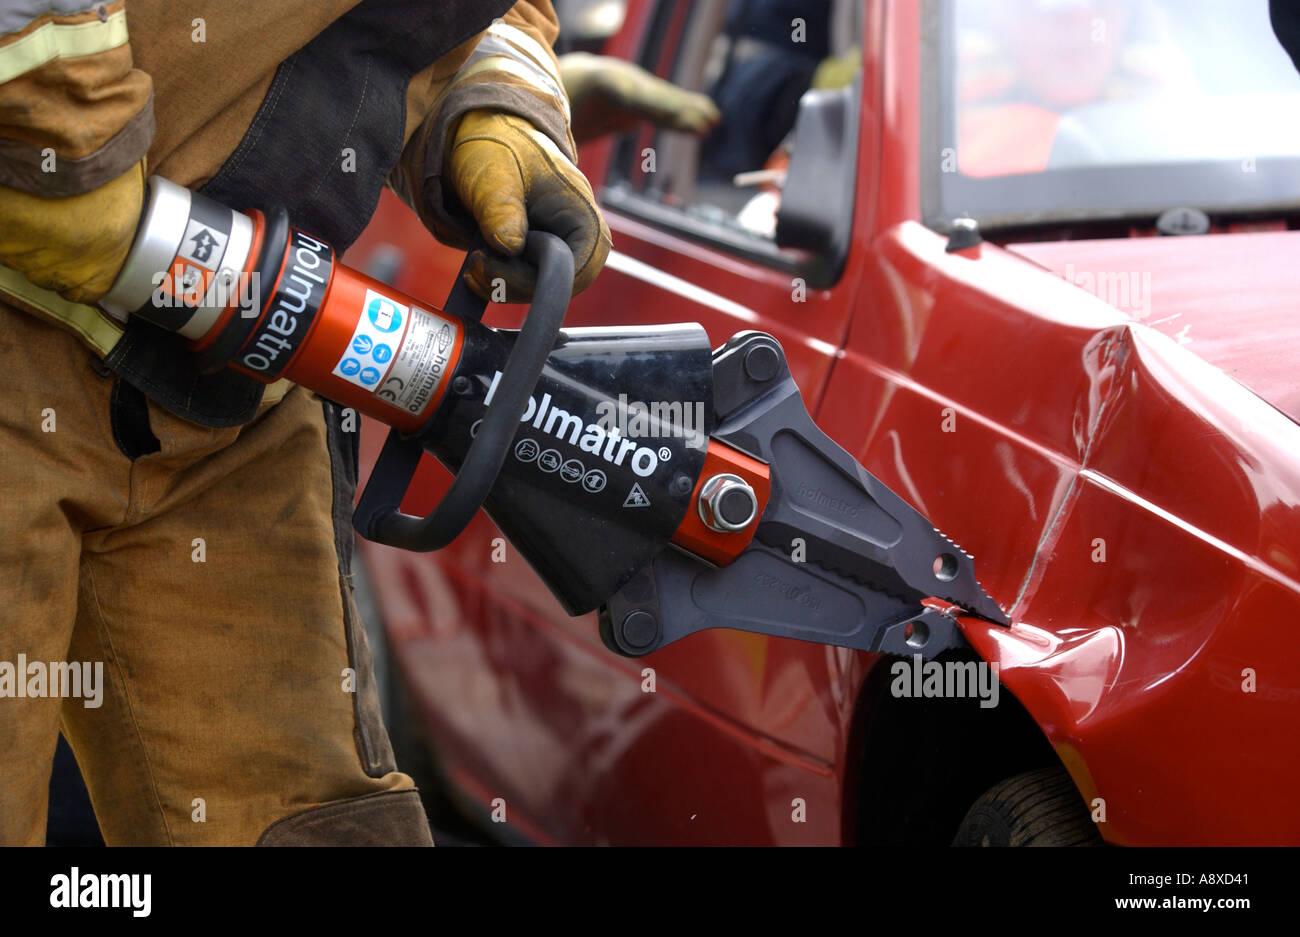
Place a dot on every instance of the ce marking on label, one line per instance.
(392, 387)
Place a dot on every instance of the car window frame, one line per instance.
(618, 194)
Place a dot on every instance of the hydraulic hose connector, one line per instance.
(252, 292)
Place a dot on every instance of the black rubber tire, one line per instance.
(1037, 808)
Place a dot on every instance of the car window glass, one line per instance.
(1106, 109)
(755, 59)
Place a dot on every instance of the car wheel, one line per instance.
(1037, 808)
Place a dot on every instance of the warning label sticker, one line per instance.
(185, 284)
(369, 354)
(203, 245)
(419, 365)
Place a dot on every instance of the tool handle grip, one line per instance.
(379, 517)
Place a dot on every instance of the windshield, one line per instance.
(1065, 109)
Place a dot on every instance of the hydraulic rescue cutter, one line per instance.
(755, 520)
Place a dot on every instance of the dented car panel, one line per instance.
(1137, 509)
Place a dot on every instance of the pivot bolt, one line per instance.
(761, 363)
(727, 504)
(639, 629)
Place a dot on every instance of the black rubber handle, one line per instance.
(378, 516)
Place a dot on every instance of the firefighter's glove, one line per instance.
(609, 95)
(512, 177)
(74, 246)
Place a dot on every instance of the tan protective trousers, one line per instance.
(210, 580)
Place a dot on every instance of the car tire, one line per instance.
(1037, 808)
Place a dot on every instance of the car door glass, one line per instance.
(755, 59)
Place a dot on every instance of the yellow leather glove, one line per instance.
(609, 95)
(510, 176)
(838, 71)
(74, 246)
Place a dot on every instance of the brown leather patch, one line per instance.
(23, 165)
(389, 818)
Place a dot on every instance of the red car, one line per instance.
(1035, 269)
